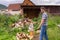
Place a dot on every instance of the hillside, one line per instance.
(2, 6)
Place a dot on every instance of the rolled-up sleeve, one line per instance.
(44, 16)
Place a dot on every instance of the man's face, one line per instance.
(42, 11)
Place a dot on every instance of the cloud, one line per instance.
(37, 2)
(7, 2)
(46, 2)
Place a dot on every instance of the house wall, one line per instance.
(31, 12)
(55, 10)
(14, 12)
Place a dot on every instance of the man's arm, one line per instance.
(42, 21)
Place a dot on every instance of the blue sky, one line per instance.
(37, 2)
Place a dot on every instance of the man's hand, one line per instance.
(42, 21)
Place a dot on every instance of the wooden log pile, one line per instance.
(22, 36)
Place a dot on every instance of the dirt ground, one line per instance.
(36, 37)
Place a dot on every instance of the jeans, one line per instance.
(43, 33)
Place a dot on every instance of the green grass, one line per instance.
(6, 33)
(53, 29)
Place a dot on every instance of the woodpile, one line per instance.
(22, 36)
(20, 23)
(58, 25)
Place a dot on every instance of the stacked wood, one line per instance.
(22, 36)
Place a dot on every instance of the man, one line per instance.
(43, 24)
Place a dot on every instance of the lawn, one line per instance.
(6, 33)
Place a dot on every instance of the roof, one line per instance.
(39, 2)
(14, 6)
(28, 3)
(46, 2)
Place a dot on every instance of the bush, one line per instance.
(7, 34)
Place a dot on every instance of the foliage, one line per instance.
(6, 32)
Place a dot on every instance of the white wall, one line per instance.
(14, 12)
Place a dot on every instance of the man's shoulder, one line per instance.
(44, 14)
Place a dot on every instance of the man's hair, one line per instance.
(43, 8)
